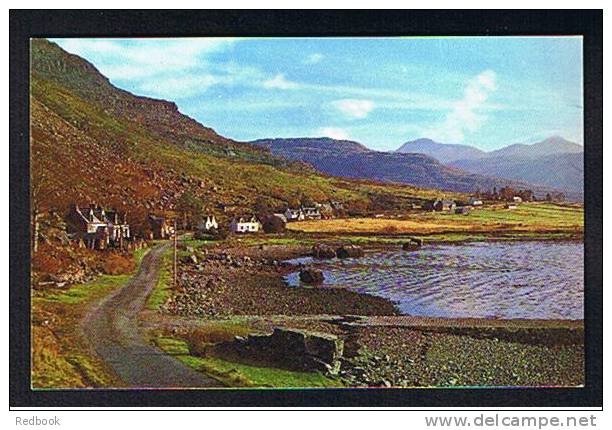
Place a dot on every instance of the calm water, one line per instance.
(480, 280)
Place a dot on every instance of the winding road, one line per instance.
(113, 331)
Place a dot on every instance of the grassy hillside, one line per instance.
(91, 141)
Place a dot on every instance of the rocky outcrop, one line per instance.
(311, 276)
(293, 349)
(412, 244)
(349, 251)
(323, 251)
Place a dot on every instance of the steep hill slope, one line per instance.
(353, 160)
(443, 152)
(93, 142)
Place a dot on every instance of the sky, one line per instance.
(487, 92)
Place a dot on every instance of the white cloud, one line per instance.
(280, 82)
(167, 68)
(333, 132)
(133, 59)
(354, 108)
(178, 87)
(314, 58)
(464, 116)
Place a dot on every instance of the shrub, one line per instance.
(274, 224)
(118, 264)
(220, 233)
(46, 262)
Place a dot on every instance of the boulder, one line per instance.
(311, 276)
(190, 259)
(412, 244)
(323, 251)
(349, 251)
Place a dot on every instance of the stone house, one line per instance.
(160, 227)
(96, 227)
(245, 225)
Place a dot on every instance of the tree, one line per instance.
(274, 224)
(265, 206)
(40, 185)
(190, 208)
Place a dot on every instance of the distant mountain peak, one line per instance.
(443, 152)
(552, 145)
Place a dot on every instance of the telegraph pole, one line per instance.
(175, 246)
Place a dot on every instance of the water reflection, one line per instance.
(481, 280)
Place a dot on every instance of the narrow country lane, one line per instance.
(112, 329)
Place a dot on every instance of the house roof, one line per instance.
(245, 220)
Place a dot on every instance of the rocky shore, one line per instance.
(240, 282)
(248, 283)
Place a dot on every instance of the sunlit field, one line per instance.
(528, 217)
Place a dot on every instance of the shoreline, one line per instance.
(382, 347)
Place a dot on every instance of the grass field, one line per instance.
(528, 218)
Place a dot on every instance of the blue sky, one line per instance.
(487, 92)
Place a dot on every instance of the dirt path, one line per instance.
(113, 330)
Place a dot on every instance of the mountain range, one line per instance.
(449, 153)
(351, 159)
(554, 162)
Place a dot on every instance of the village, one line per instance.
(98, 228)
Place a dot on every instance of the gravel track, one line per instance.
(113, 331)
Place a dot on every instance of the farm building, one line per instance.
(245, 225)
(517, 199)
(311, 212)
(475, 201)
(160, 227)
(282, 217)
(463, 210)
(294, 214)
(444, 205)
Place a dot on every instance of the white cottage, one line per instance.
(475, 201)
(245, 225)
(294, 214)
(208, 223)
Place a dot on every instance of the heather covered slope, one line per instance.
(92, 142)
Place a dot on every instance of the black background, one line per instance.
(134, 23)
